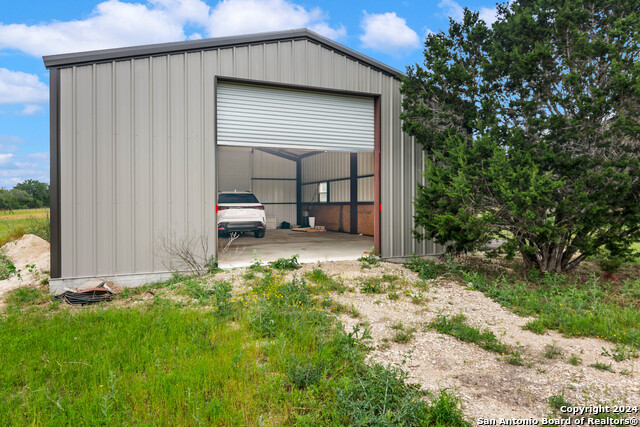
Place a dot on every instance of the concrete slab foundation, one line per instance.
(311, 247)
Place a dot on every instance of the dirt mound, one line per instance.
(31, 256)
(29, 250)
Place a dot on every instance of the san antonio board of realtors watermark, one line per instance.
(574, 416)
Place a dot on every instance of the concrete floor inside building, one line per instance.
(311, 247)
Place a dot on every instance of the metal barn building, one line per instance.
(144, 138)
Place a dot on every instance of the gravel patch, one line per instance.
(488, 385)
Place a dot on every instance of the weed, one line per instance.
(558, 401)
(426, 269)
(602, 366)
(552, 351)
(474, 280)
(286, 263)
(6, 266)
(353, 311)
(222, 293)
(257, 265)
(373, 285)
(457, 326)
(249, 275)
(515, 358)
(379, 396)
(325, 282)
(626, 372)
(393, 296)
(212, 266)
(416, 298)
(197, 291)
(369, 259)
(620, 352)
(303, 374)
(402, 335)
(535, 326)
(575, 360)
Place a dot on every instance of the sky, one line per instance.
(391, 32)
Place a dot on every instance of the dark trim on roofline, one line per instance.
(54, 188)
(70, 59)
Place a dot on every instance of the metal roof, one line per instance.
(70, 59)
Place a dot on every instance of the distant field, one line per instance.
(14, 224)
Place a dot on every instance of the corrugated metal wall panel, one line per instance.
(310, 193)
(142, 178)
(234, 169)
(330, 165)
(115, 115)
(275, 191)
(266, 165)
(105, 230)
(282, 213)
(124, 166)
(365, 164)
(340, 191)
(260, 116)
(365, 189)
(85, 193)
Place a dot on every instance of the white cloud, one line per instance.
(111, 24)
(387, 33)
(17, 87)
(489, 15)
(324, 29)
(17, 168)
(31, 109)
(5, 158)
(454, 10)
(115, 23)
(231, 17)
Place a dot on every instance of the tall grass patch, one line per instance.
(271, 355)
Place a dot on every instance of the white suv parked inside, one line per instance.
(240, 211)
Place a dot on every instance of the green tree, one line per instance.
(23, 200)
(39, 191)
(531, 131)
(7, 201)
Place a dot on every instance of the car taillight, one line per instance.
(221, 208)
(258, 207)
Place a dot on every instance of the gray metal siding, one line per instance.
(138, 155)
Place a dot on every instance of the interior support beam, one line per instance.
(299, 192)
(353, 227)
(279, 154)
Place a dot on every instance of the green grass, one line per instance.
(269, 356)
(23, 221)
(572, 305)
(457, 326)
(324, 282)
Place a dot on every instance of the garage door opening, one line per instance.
(298, 158)
(295, 188)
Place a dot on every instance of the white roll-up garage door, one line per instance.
(262, 116)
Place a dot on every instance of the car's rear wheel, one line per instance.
(259, 234)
